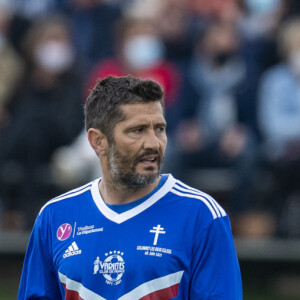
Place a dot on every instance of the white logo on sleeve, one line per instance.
(72, 250)
(157, 230)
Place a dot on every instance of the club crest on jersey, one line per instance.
(64, 231)
(112, 267)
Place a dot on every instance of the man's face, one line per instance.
(136, 154)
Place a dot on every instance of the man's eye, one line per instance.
(161, 129)
(138, 130)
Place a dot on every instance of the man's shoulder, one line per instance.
(197, 200)
(68, 197)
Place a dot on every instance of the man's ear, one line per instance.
(98, 141)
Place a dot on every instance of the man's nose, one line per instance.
(151, 140)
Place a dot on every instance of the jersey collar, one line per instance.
(122, 217)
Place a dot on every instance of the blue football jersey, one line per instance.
(177, 244)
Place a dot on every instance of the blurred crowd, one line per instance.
(230, 70)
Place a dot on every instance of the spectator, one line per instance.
(176, 24)
(257, 24)
(140, 52)
(47, 115)
(214, 137)
(279, 115)
(279, 108)
(93, 28)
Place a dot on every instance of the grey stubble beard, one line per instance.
(123, 170)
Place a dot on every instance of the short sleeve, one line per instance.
(215, 269)
(39, 279)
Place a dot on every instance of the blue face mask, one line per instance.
(143, 51)
(262, 6)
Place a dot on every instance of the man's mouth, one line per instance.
(150, 159)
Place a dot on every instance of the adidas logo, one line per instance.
(72, 250)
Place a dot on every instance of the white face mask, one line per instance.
(143, 51)
(55, 57)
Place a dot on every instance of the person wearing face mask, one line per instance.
(279, 119)
(47, 115)
(140, 52)
(279, 95)
(212, 137)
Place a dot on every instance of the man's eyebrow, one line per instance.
(161, 124)
(134, 126)
(144, 124)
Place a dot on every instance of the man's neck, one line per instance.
(114, 194)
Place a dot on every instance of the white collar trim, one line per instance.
(120, 218)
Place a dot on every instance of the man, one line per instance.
(132, 234)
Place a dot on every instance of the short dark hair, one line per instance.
(102, 108)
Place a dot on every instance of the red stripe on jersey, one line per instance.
(164, 294)
(71, 295)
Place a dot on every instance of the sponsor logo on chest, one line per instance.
(63, 232)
